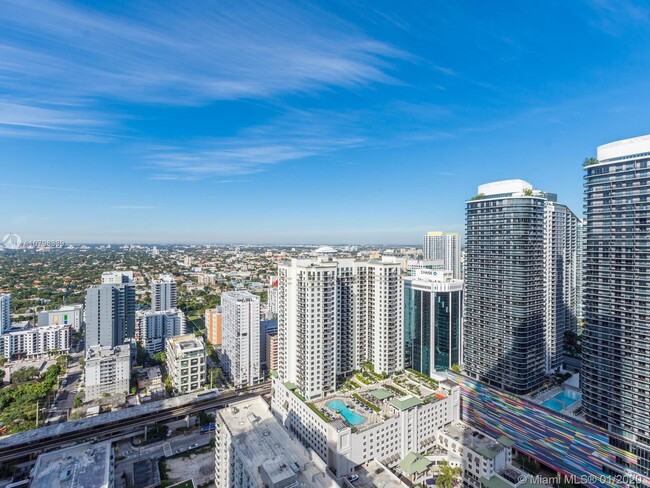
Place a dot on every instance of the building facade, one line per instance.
(5, 312)
(164, 293)
(522, 283)
(616, 338)
(214, 325)
(335, 316)
(110, 314)
(443, 246)
(153, 327)
(268, 329)
(433, 321)
(117, 277)
(186, 364)
(107, 371)
(72, 315)
(241, 337)
(35, 342)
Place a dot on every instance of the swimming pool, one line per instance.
(562, 400)
(352, 418)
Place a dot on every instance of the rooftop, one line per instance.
(99, 352)
(415, 463)
(266, 448)
(81, 466)
(475, 440)
(623, 148)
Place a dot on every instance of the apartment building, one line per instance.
(214, 325)
(164, 293)
(107, 371)
(241, 359)
(186, 364)
(35, 342)
(444, 246)
(153, 327)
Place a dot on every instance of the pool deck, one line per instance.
(548, 394)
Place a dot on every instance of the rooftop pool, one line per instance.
(562, 400)
(351, 417)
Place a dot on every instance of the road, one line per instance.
(130, 425)
(64, 400)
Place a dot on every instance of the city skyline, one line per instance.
(344, 106)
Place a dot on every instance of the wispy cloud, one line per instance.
(192, 52)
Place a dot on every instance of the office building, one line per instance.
(335, 316)
(117, 277)
(241, 337)
(87, 465)
(186, 366)
(110, 314)
(5, 312)
(107, 371)
(616, 337)
(72, 315)
(163, 293)
(443, 246)
(253, 450)
(433, 321)
(35, 342)
(153, 327)
(214, 325)
(521, 252)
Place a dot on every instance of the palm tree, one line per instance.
(447, 475)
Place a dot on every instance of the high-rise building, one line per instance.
(117, 277)
(334, 316)
(163, 293)
(616, 337)
(433, 321)
(185, 361)
(444, 246)
(107, 371)
(153, 327)
(561, 273)
(521, 254)
(241, 337)
(268, 328)
(214, 325)
(272, 352)
(580, 280)
(110, 314)
(5, 312)
(273, 295)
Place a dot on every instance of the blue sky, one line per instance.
(297, 122)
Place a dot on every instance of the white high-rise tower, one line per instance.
(163, 293)
(241, 337)
(444, 246)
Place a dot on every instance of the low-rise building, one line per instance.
(252, 450)
(107, 371)
(34, 342)
(186, 365)
(72, 315)
(153, 327)
(85, 465)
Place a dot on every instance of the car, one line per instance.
(194, 445)
(178, 451)
(353, 478)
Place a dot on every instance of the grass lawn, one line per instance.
(183, 484)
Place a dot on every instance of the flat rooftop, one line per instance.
(265, 446)
(82, 466)
(476, 440)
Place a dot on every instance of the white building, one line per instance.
(163, 293)
(107, 371)
(253, 450)
(186, 365)
(336, 315)
(5, 312)
(241, 337)
(273, 295)
(410, 266)
(400, 422)
(153, 327)
(72, 315)
(34, 342)
(117, 277)
(444, 246)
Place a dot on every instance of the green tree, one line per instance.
(589, 162)
(2, 375)
(447, 475)
(3, 360)
(455, 368)
(24, 374)
(78, 400)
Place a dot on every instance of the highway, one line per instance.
(32, 446)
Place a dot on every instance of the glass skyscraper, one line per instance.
(616, 338)
(433, 318)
